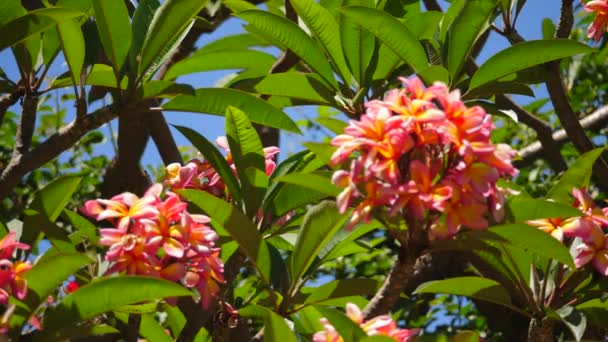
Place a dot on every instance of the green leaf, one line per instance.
(216, 159)
(325, 28)
(47, 205)
(466, 29)
(340, 288)
(164, 88)
(473, 287)
(216, 101)
(220, 60)
(316, 181)
(337, 126)
(114, 28)
(596, 311)
(323, 151)
(577, 175)
(100, 75)
(108, 294)
(45, 276)
(348, 330)
(33, 23)
(72, 42)
(238, 225)
(84, 227)
(275, 327)
(43, 279)
(288, 35)
(247, 152)
(240, 41)
(320, 223)
(51, 199)
(392, 33)
(548, 28)
(295, 85)
(169, 22)
(534, 241)
(525, 55)
(142, 18)
(164, 54)
(149, 328)
(74, 333)
(524, 209)
(448, 18)
(357, 43)
(497, 87)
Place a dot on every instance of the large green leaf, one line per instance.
(340, 288)
(114, 26)
(325, 28)
(525, 55)
(72, 42)
(534, 241)
(295, 85)
(170, 20)
(216, 101)
(44, 278)
(466, 29)
(51, 199)
(228, 43)
(288, 35)
(348, 330)
(577, 175)
(275, 327)
(108, 294)
(83, 226)
(524, 208)
(392, 33)
(32, 23)
(596, 311)
(248, 155)
(318, 181)
(473, 287)
(320, 224)
(216, 159)
(358, 44)
(220, 60)
(238, 225)
(142, 18)
(100, 75)
(448, 18)
(76, 332)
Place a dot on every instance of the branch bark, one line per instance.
(55, 144)
(593, 122)
(6, 101)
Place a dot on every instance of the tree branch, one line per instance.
(593, 122)
(6, 101)
(53, 146)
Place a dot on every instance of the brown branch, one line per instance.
(163, 139)
(391, 289)
(566, 20)
(53, 146)
(593, 122)
(25, 130)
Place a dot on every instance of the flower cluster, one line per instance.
(600, 22)
(159, 238)
(378, 326)
(12, 273)
(589, 228)
(197, 174)
(422, 152)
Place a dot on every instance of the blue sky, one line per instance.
(529, 25)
